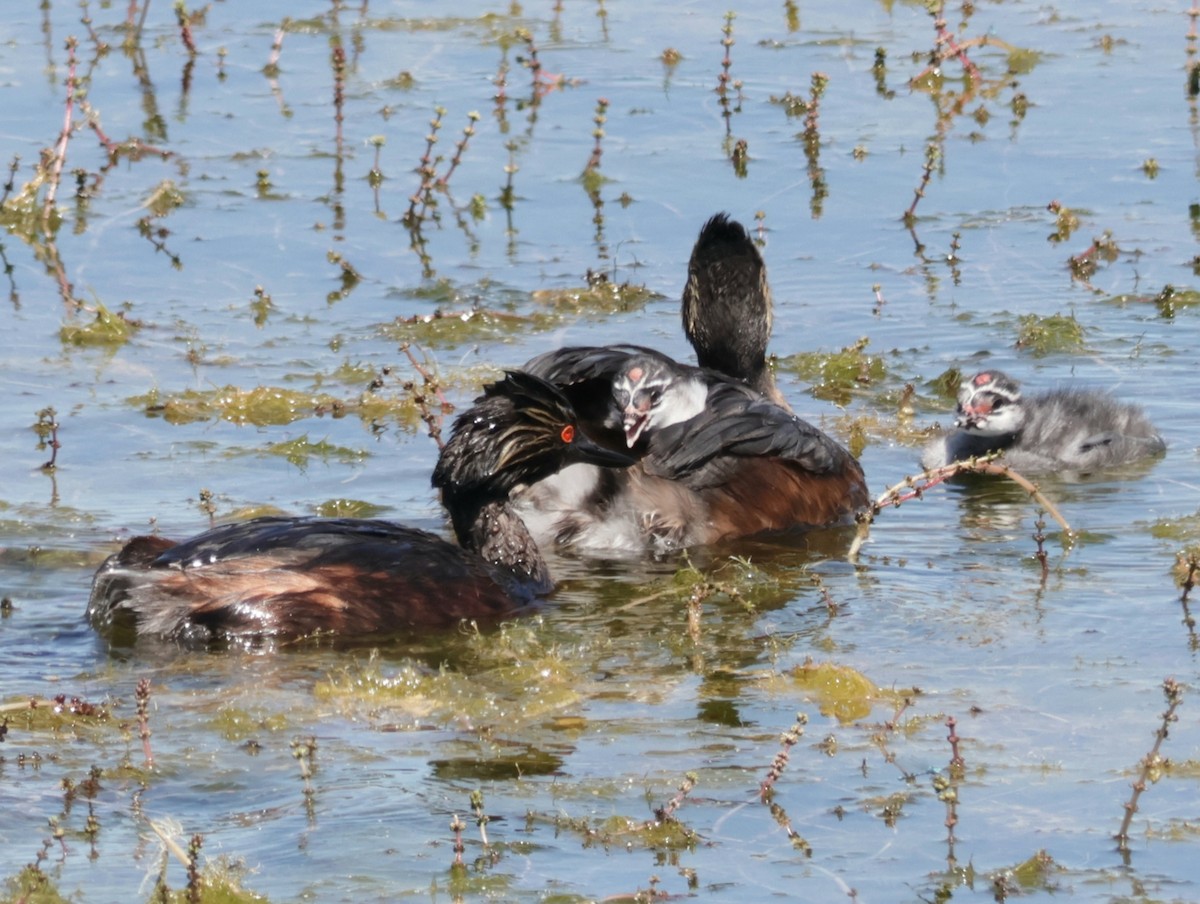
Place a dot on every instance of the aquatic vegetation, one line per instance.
(32, 886)
(105, 329)
(1052, 334)
(1084, 265)
(1171, 299)
(301, 451)
(977, 81)
(1179, 528)
(600, 297)
(260, 406)
(61, 715)
(446, 329)
(837, 376)
(840, 691)
(510, 689)
(1066, 221)
(350, 508)
(1168, 301)
(237, 723)
(270, 406)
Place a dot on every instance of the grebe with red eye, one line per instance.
(721, 453)
(1075, 430)
(297, 576)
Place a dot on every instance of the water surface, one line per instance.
(578, 723)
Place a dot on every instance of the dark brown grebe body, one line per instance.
(296, 576)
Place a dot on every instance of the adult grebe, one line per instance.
(721, 454)
(296, 576)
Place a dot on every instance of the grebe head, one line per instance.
(989, 404)
(520, 431)
(652, 394)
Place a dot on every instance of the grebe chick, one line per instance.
(296, 576)
(727, 314)
(1076, 430)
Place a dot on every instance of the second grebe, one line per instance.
(722, 455)
(296, 576)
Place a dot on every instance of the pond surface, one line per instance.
(249, 222)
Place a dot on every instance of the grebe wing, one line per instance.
(739, 423)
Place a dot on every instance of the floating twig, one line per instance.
(914, 487)
(166, 834)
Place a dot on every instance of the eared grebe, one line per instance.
(297, 576)
(721, 454)
(1075, 430)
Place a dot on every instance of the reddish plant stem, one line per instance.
(459, 148)
(1151, 762)
(339, 91)
(142, 695)
(185, 27)
(60, 149)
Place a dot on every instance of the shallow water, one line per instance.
(578, 722)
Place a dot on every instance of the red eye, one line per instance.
(568, 434)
